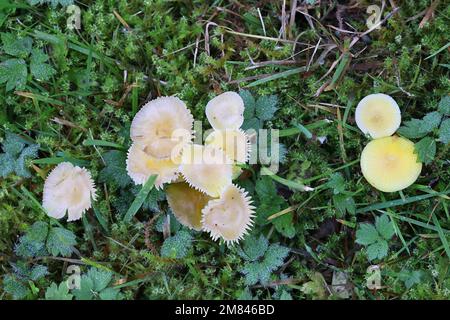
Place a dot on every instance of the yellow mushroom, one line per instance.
(163, 125)
(141, 165)
(68, 189)
(230, 217)
(226, 111)
(186, 204)
(378, 115)
(206, 169)
(389, 164)
(235, 143)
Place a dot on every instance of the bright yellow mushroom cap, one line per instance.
(226, 111)
(186, 204)
(378, 115)
(235, 143)
(206, 168)
(230, 217)
(389, 164)
(163, 125)
(141, 165)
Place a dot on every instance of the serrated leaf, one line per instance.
(266, 106)
(430, 122)
(13, 144)
(177, 246)
(110, 294)
(17, 47)
(61, 241)
(253, 248)
(38, 66)
(384, 226)
(412, 129)
(444, 131)
(252, 123)
(14, 73)
(366, 234)
(115, 171)
(53, 3)
(285, 225)
(38, 272)
(337, 183)
(344, 203)
(100, 278)
(55, 292)
(425, 150)
(249, 104)
(15, 287)
(86, 290)
(377, 250)
(444, 105)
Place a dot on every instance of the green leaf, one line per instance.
(384, 226)
(53, 3)
(33, 242)
(55, 292)
(425, 150)
(15, 287)
(377, 250)
(430, 121)
(249, 104)
(110, 294)
(177, 246)
(252, 123)
(337, 183)
(285, 225)
(266, 106)
(14, 73)
(115, 171)
(140, 198)
(61, 241)
(444, 131)
(39, 69)
(17, 47)
(366, 234)
(260, 271)
(100, 278)
(344, 203)
(412, 129)
(253, 248)
(38, 272)
(444, 105)
(86, 290)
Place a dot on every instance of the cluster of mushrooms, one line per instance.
(198, 179)
(388, 162)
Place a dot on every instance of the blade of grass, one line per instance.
(275, 76)
(140, 198)
(102, 143)
(400, 202)
(288, 183)
(441, 234)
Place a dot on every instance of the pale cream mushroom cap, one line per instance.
(206, 169)
(226, 111)
(389, 164)
(186, 204)
(230, 217)
(141, 165)
(162, 125)
(68, 189)
(235, 143)
(378, 115)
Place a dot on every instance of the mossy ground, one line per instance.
(128, 52)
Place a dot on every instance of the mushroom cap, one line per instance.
(226, 111)
(162, 125)
(141, 165)
(68, 188)
(378, 115)
(206, 169)
(389, 164)
(235, 143)
(186, 204)
(230, 217)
